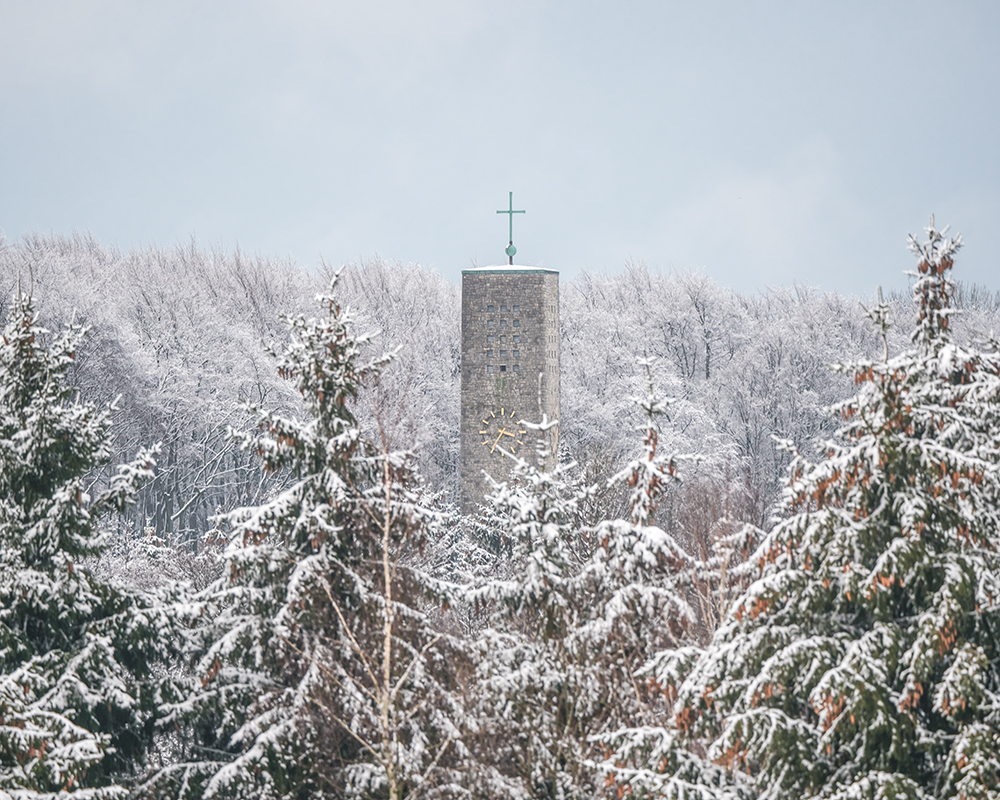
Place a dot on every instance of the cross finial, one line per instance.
(510, 249)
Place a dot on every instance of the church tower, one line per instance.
(510, 368)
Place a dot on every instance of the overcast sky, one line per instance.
(762, 143)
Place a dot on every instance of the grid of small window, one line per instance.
(516, 309)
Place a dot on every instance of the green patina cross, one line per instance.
(510, 249)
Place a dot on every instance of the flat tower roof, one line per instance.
(508, 268)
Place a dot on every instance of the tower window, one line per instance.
(489, 339)
(517, 354)
(489, 354)
(517, 309)
(489, 368)
(503, 307)
(489, 309)
(489, 323)
(502, 338)
(517, 338)
(503, 353)
(517, 368)
(517, 323)
(503, 367)
(503, 323)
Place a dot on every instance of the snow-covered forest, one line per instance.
(231, 563)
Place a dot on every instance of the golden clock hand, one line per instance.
(505, 432)
(502, 432)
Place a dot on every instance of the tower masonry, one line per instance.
(510, 370)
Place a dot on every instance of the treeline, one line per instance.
(180, 336)
(177, 339)
(299, 614)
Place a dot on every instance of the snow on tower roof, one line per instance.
(509, 268)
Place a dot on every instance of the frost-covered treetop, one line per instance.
(934, 288)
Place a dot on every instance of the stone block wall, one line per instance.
(510, 370)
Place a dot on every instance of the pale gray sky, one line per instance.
(764, 143)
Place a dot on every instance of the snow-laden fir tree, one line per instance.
(864, 660)
(318, 671)
(579, 612)
(76, 699)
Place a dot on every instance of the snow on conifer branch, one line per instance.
(862, 660)
(934, 288)
(320, 636)
(75, 650)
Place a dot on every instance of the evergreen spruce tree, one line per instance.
(583, 609)
(318, 671)
(864, 660)
(530, 691)
(75, 651)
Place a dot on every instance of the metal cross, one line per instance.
(510, 249)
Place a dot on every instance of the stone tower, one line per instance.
(510, 370)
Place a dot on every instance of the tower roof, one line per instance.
(508, 268)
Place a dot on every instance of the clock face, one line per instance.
(501, 431)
